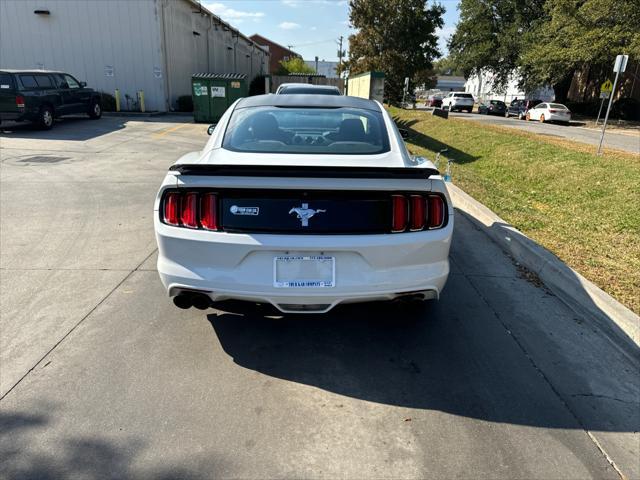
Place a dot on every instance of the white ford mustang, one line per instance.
(303, 202)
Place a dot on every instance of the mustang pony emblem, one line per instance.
(304, 213)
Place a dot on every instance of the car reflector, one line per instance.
(172, 209)
(208, 214)
(436, 211)
(189, 213)
(418, 212)
(399, 213)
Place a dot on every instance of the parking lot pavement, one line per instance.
(629, 142)
(101, 377)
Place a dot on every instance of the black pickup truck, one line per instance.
(40, 96)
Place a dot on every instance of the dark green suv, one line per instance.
(39, 96)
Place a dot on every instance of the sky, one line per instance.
(311, 27)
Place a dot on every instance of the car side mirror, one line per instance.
(211, 128)
(83, 84)
(404, 133)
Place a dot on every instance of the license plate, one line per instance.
(308, 271)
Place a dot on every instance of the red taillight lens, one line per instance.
(436, 211)
(20, 101)
(399, 213)
(553, 111)
(172, 209)
(418, 212)
(189, 211)
(208, 214)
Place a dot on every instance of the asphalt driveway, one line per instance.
(102, 377)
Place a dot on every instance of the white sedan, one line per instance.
(303, 202)
(549, 112)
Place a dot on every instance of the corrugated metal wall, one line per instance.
(109, 44)
(119, 44)
(197, 42)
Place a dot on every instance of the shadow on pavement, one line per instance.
(89, 458)
(430, 143)
(454, 357)
(77, 129)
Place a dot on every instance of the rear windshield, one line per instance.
(557, 106)
(497, 102)
(306, 130)
(5, 81)
(308, 91)
(463, 95)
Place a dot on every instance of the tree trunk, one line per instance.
(561, 89)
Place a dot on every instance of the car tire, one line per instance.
(45, 118)
(520, 116)
(469, 110)
(95, 110)
(541, 119)
(527, 117)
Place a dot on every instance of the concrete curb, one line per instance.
(571, 287)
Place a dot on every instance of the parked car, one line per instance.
(434, 101)
(549, 112)
(493, 107)
(307, 89)
(303, 202)
(519, 108)
(40, 96)
(458, 101)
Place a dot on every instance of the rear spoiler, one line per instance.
(303, 171)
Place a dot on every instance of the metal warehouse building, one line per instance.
(131, 45)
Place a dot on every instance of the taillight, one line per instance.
(418, 212)
(436, 211)
(20, 101)
(415, 212)
(399, 213)
(172, 209)
(208, 215)
(553, 111)
(189, 213)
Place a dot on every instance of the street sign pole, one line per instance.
(600, 110)
(619, 66)
(606, 117)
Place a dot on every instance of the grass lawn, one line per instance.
(584, 208)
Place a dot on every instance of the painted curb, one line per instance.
(572, 288)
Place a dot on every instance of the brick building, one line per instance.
(276, 52)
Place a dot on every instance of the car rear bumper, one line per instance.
(555, 117)
(230, 266)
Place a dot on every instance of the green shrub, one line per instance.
(626, 109)
(108, 102)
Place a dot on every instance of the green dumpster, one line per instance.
(213, 93)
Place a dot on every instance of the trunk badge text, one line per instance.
(304, 213)
(236, 210)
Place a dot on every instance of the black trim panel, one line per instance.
(303, 171)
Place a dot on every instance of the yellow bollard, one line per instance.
(141, 98)
(117, 95)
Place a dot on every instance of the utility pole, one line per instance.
(340, 54)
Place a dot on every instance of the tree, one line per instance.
(446, 66)
(577, 33)
(396, 37)
(490, 36)
(294, 65)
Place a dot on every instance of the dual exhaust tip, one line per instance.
(186, 300)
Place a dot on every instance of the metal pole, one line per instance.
(606, 117)
(600, 110)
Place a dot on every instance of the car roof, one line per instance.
(35, 70)
(313, 101)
